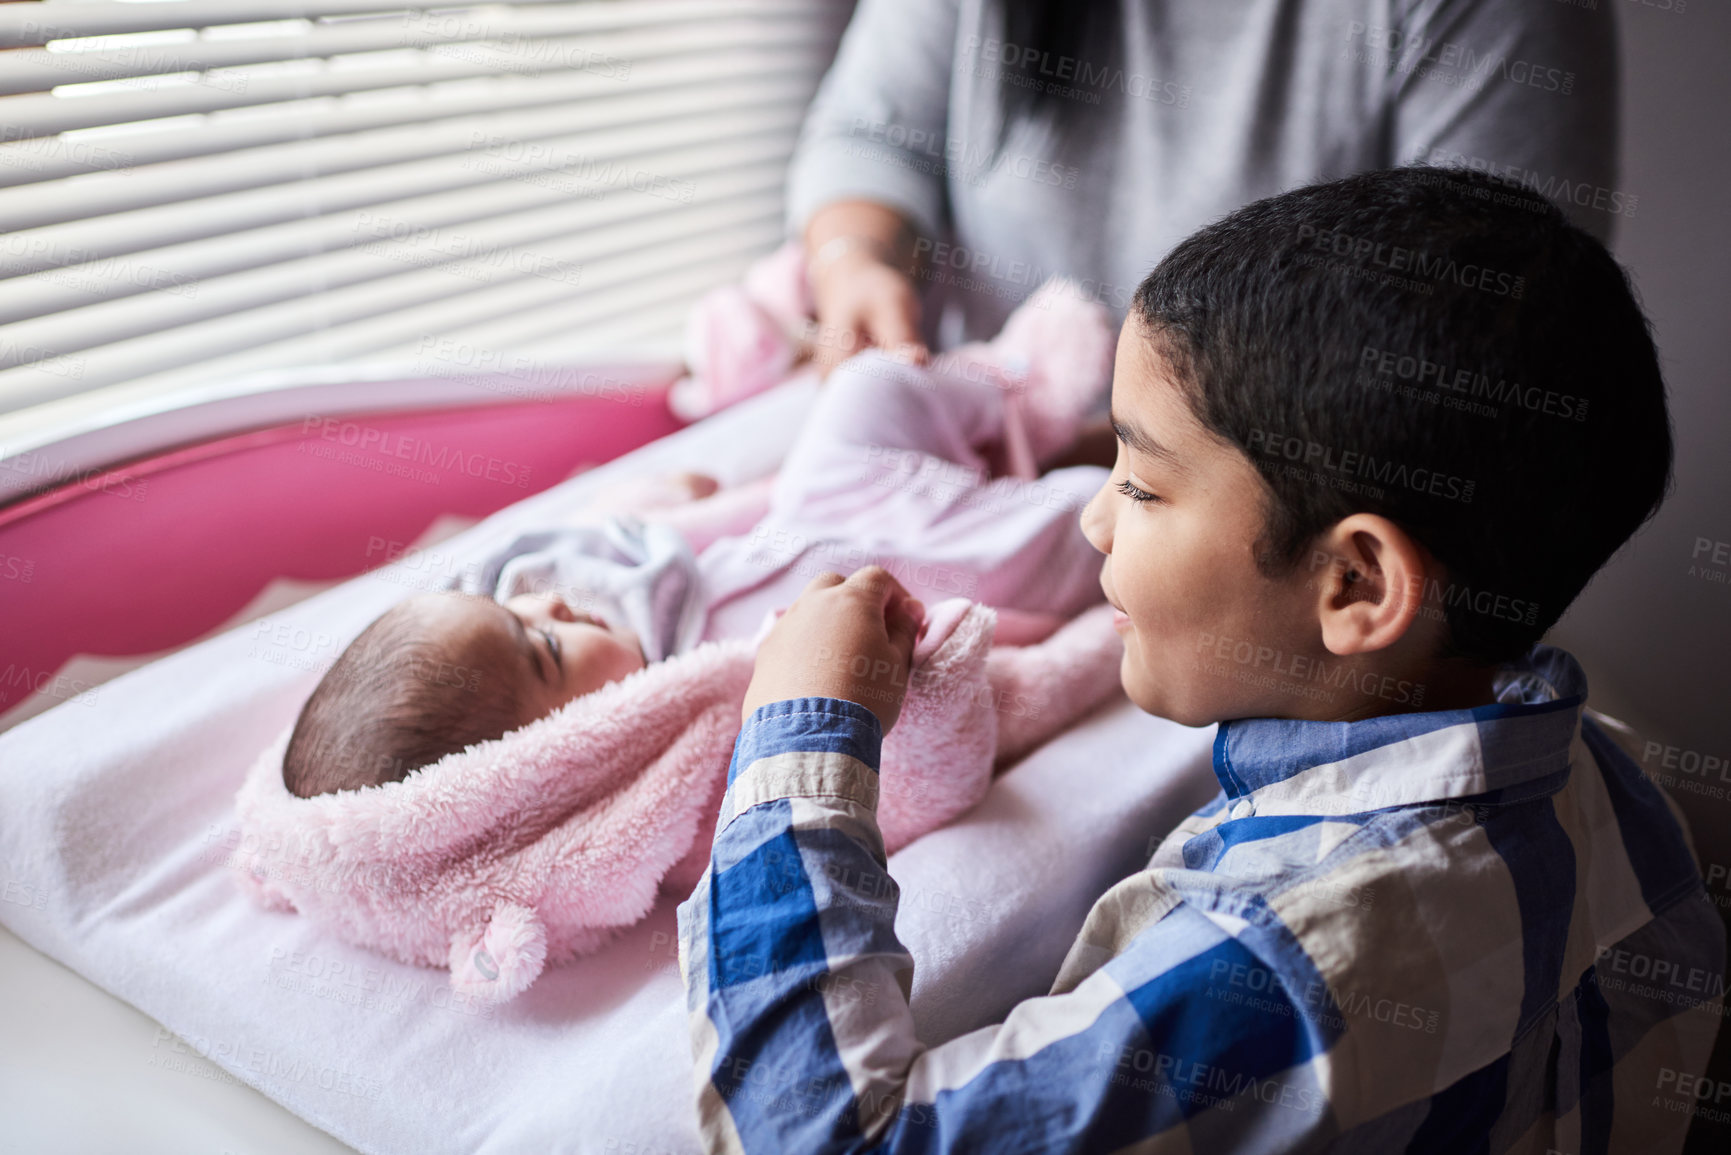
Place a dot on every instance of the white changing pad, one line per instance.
(115, 819)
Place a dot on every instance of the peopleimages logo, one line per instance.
(1470, 383)
(1451, 62)
(1309, 676)
(970, 162)
(1327, 461)
(1069, 76)
(1550, 186)
(1436, 595)
(1417, 262)
(382, 443)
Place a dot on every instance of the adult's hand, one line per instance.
(849, 638)
(863, 302)
(860, 255)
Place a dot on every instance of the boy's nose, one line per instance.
(1097, 522)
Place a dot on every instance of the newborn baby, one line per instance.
(890, 468)
(501, 776)
(553, 617)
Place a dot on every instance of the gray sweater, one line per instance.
(1204, 106)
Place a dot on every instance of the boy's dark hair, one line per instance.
(1439, 347)
(394, 701)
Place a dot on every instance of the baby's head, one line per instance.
(440, 672)
(1375, 435)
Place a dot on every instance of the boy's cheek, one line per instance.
(1148, 690)
(1140, 682)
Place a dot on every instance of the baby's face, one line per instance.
(547, 653)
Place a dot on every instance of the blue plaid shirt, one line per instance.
(1461, 930)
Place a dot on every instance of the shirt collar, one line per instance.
(1516, 747)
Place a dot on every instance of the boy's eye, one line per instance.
(1136, 494)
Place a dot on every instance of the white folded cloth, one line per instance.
(623, 570)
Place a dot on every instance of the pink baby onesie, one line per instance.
(888, 470)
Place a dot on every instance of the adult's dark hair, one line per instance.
(1439, 347)
(1039, 36)
(390, 704)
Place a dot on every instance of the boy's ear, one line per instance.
(1369, 577)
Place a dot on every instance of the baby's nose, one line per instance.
(560, 610)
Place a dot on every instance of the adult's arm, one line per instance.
(797, 992)
(867, 179)
(876, 128)
(1528, 90)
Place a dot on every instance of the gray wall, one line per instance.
(1655, 640)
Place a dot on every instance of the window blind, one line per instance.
(197, 189)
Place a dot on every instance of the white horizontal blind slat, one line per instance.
(676, 172)
(743, 81)
(130, 149)
(310, 316)
(561, 32)
(319, 335)
(547, 174)
(652, 312)
(31, 24)
(531, 339)
(383, 244)
(42, 114)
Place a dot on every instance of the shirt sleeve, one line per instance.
(876, 129)
(1526, 91)
(797, 994)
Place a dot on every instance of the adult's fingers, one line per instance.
(841, 336)
(892, 321)
(893, 326)
(828, 355)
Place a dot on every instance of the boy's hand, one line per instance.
(847, 638)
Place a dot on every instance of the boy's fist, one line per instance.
(849, 638)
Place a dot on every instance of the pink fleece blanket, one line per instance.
(536, 848)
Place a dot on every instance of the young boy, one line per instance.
(1374, 436)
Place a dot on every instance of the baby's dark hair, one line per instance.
(1441, 348)
(393, 702)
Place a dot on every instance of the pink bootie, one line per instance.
(742, 339)
(1053, 359)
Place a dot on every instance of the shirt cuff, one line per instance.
(804, 748)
